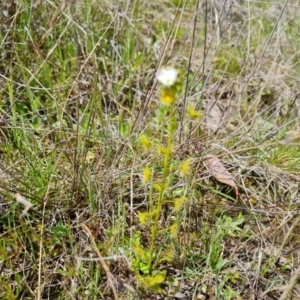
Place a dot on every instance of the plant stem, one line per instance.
(167, 155)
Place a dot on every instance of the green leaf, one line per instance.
(138, 61)
(156, 279)
(140, 252)
(143, 217)
(153, 282)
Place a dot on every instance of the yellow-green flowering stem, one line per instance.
(166, 168)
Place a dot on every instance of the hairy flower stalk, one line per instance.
(167, 77)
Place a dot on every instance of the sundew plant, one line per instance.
(147, 260)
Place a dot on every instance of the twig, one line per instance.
(40, 287)
(291, 284)
(110, 276)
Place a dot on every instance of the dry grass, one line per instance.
(78, 88)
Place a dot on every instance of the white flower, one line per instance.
(167, 76)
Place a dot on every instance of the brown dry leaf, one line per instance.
(218, 171)
(213, 118)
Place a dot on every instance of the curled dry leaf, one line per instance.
(27, 204)
(218, 171)
(213, 118)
